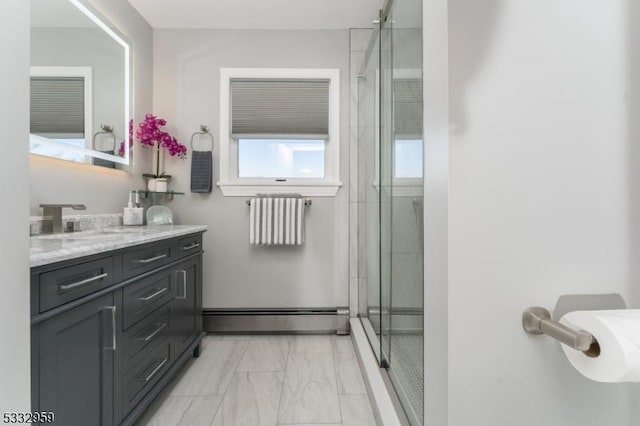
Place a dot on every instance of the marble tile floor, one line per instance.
(260, 380)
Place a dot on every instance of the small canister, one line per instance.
(161, 184)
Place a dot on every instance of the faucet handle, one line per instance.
(55, 212)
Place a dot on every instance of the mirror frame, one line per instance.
(104, 24)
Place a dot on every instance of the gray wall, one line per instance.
(102, 190)
(543, 200)
(186, 94)
(14, 303)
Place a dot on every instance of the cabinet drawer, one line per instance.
(66, 284)
(142, 338)
(188, 245)
(144, 375)
(145, 259)
(145, 296)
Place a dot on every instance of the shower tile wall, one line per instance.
(359, 39)
(364, 195)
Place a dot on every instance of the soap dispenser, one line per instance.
(132, 215)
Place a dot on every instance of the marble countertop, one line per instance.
(50, 248)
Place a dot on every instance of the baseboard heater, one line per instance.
(281, 320)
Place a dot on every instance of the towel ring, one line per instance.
(204, 130)
(106, 130)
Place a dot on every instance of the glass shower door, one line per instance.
(401, 196)
(389, 199)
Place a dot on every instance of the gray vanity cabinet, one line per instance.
(75, 361)
(110, 330)
(187, 306)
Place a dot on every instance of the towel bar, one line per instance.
(537, 320)
(307, 202)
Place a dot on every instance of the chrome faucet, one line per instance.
(55, 212)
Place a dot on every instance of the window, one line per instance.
(280, 158)
(279, 131)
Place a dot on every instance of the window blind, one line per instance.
(407, 108)
(271, 108)
(57, 105)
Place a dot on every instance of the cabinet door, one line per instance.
(75, 364)
(187, 321)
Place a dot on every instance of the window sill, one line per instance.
(238, 189)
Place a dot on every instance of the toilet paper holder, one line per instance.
(538, 320)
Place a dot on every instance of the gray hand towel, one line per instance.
(105, 163)
(201, 168)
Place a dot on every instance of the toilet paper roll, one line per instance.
(618, 334)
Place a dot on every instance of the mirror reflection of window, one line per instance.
(68, 35)
(408, 158)
(65, 149)
(60, 111)
(60, 102)
(407, 116)
(57, 107)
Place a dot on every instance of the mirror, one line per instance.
(80, 96)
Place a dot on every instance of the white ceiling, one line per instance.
(259, 14)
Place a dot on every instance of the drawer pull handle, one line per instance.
(83, 282)
(154, 294)
(155, 370)
(113, 327)
(183, 272)
(155, 332)
(153, 259)
(190, 246)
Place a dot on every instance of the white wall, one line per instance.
(540, 201)
(633, 92)
(14, 303)
(102, 190)
(435, 204)
(186, 94)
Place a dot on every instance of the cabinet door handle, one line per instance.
(152, 259)
(154, 294)
(113, 327)
(183, 272)
(155, 332)
(155, 370)
(83, 282)
(190, 246)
